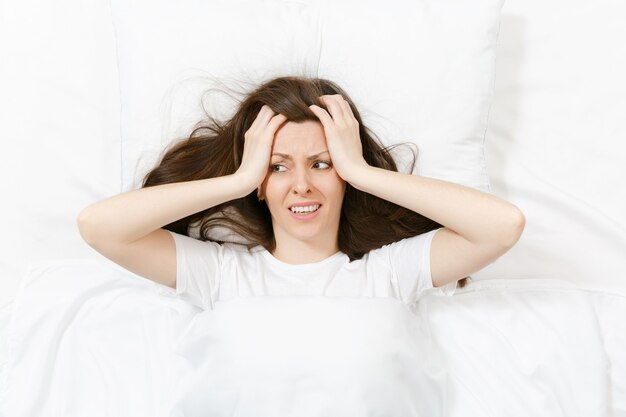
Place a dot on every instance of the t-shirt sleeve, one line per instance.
(409, 260)
(198, 270)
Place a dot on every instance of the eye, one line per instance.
(276, 168)
(324, 164)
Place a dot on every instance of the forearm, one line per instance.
(477, 216)
(131, 215)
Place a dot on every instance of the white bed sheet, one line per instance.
(119, 345)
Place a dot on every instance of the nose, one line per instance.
(302, 183)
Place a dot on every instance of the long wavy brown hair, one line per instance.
(214, 149)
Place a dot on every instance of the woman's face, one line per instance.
(301, 175)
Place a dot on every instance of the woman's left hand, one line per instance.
(342, 136)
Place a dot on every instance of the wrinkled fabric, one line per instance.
(87, 338)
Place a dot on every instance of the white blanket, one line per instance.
(90, 339)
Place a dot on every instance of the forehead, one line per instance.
(300, 138)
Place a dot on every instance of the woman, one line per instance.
(297, 174)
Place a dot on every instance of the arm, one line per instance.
(127, 228)
(126, 217)
(479, 227)
(479, 217)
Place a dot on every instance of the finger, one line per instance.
(262, 118)
(276, 121)
(322, 115)
(268, 132)
(347, 110)
(256, 120)
(266, 114)
(334, 106)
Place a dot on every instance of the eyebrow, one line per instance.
(285, 156)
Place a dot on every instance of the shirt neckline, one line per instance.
(298, 267)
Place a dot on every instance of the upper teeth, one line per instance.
(303, 209)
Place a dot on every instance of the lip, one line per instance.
(305, 216)
(308, 203)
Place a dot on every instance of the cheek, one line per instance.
(339, 184)
(273, 189)
(336, 189)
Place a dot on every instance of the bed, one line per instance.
(512, 98)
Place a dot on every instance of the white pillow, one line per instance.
(555, 141)
(418, 71)
(59, 117)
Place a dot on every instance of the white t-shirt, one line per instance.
(207, 272)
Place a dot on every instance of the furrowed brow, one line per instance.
(288, 157)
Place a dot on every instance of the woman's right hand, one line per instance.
(258, 146)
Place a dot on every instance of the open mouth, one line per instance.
(303, 210)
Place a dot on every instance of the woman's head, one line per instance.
(215, 148)
(292, 177)
(303, 192)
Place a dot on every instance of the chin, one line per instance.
(306, 237)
